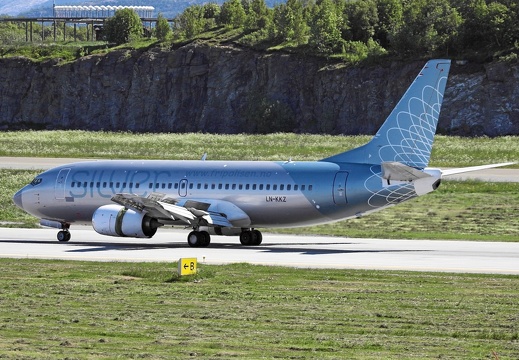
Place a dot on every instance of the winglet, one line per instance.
(407, 134)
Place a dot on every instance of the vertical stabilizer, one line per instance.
(407, 134)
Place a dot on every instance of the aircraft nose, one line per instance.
(17, 199)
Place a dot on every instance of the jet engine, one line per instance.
(116, 220)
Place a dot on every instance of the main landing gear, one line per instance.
(249, 237)
(198, 238)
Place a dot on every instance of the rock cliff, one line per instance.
(226, 89)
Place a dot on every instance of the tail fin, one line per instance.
(407, 134)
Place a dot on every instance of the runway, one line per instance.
(284, 250)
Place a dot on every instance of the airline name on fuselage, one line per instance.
(105, 183)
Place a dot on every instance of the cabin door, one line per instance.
(59, 188)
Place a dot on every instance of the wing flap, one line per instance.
(192, 212)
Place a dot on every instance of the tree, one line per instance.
(191, 22)
(232, 14)
(362, 16)
(258, 16)
(290, 22)
(124, 26)
(430, 26)
(390, 17)
(163, 29)
(325, 33)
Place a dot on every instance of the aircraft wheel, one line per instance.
(257, 237)
(206, 238)
(63, 236)
(194, 239)
(246, 237)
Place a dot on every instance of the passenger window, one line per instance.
(191, 185)
(247, 186)
(289, 187)
(296, 187)
(302, 187)
(198, 186)
(309, 187)
(282, 187)
(261, 187)
(220, 186)
(206, 186)
(137, 185)
(268, 186)
(213, 186)
(226, 186)
(240, 187)
(274, 187)
(150, 185)
(253, 186)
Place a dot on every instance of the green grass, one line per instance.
(10, 182)
(79, 310)
(447, 151)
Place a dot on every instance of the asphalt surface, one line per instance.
(284, 250)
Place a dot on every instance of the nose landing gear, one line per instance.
(64, 235)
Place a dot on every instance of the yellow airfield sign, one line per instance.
(186, 266)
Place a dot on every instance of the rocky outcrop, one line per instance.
(225, 89)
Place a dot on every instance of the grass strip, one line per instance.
(448, 151)
(79, 310)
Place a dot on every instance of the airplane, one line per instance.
(133, 198)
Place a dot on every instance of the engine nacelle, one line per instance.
(116, 220)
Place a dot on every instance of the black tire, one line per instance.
(257, 237)
(206, 238)
(63, 236)
(194, 239)
(246, 238)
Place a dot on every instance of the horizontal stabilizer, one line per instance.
(448, 172)
(392, 170)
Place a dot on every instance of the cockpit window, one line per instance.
(36, 181)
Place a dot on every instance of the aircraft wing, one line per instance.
(191, 212)
(448, 172)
